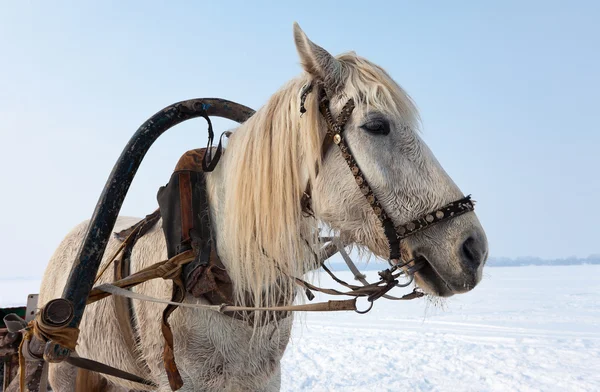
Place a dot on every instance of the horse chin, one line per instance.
(432, 283)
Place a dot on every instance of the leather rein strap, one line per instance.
(394, 234)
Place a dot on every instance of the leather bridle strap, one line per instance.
(334, 133)
(335, 128)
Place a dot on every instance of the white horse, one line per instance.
(261, 231)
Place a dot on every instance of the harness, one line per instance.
(186, 223)
(193, 263)
(187, 226)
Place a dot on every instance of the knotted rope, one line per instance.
(65, 336)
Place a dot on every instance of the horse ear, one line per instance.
(317, 61)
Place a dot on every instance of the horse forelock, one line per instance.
(372, 88)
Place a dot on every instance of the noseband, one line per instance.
(394, 234)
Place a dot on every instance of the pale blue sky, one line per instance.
(508, 93)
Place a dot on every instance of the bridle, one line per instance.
(394, 234)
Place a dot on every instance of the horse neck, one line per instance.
(216, 195)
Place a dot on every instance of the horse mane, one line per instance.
(271, 158)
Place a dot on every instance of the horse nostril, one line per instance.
(472, 252)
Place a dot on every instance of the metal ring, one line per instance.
(365, 311)
(400, 264)
(412, 277)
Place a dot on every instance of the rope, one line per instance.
(329, 306)
(65, 336)
(22, 365)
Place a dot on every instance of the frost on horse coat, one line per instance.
(262, 234)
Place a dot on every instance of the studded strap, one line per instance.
(449, 211)
(334, 133)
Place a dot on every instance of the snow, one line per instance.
(522, 329)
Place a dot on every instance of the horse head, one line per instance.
(281, 152)
(382, 135)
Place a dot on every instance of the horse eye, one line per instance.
(379, 127)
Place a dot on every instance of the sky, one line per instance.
(508, 93)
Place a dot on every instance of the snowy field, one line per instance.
(521, 329)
